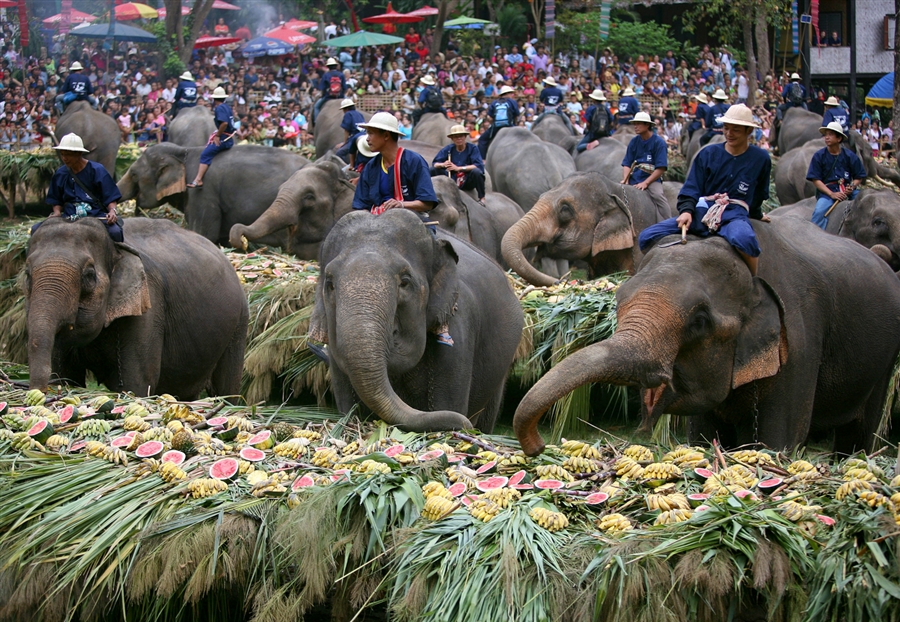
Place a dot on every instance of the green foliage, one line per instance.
(513, 23)
(628, 39)
(724, 19)
(165, 47)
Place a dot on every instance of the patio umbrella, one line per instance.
(224, 6)
(393, 17)
(161, 12)
(425, 11)
(121, 33)
(212, 42)
(299, 24)
(466, 22)
(361, 38)
(75, 17)
(290, 36)
(8, 4)
(265, 46)
(135, 10)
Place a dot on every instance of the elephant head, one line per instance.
(308, 204)
(158, 174)
(692, 326)
(385, 283)
(874, 169)
(585, 217)
(77, 281)
(873, 219)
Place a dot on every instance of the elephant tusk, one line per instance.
(885, 182)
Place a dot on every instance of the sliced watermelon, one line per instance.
(492, 483)
(149, 449)
(118, 410)
(701, 508)
(122, 441)
(431, 455)
(226, 468)
(228, 435)
(768, 485)
(131, 433)
(41, 431)
(457, 489)
(304, 481)
(336, 478)
(4, 408)
(703, 473)
(596, 498)
(825, 520)
(252, 454)
(174, 456)
(518, 477)
(523, 486)
(548, 484)
(262, 440)
(467, 500)
(487, 468)
(454, 458)
(394, 450)
(77, 446)
(217, 422)
(698, 498)
(69, 414)
(746, 495)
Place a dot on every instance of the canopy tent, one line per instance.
(290, 36)
(135, 10)
(390, 16)
(425, 11)
(265, 46)
(75, 17)
(299, 24)
(212, 42)
(121, 32)
(362, 38)
(882, 94)
(466, 22)
(8, 4)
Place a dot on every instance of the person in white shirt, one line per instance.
(743, 86)
(168, 93)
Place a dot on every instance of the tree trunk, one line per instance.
(199, 12)
(751, 63)
(174, 24)
(762, 44)
(537, 8)
(443, 13)
(896, 116)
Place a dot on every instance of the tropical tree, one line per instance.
(184, 44)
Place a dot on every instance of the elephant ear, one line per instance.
(129, 293)
(318, 323)
(444, 285)
(614, 230)
(171, 178)
(762, 346)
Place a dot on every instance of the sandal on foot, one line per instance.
(481, 200)
(194, 184)
(445, 339)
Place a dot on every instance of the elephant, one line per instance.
(523, 167)
(241, 183)
(552, 129)
(426, 150)
(606, 158)
(164, 313)
(327, 130)
(586, 217)
(432, 129)
(692, 148)
(798, 127)
(808, 345)
(99, 131)
(624, 133)
(192, 127)
(385, 283)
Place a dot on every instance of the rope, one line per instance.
(713, 217)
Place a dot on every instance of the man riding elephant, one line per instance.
(503, 113)
(185, 93)
(333, 85)
(430, 100)
(352, 118)
(835, 112)
(646, 161)
(714, 116)
(628, 107)
(836, 172)
(699, 121)
(462, 160)
(77, 87)
(551, 97)
(222, 140)
(598, 121)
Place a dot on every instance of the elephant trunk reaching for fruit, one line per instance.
(283, 213)
(537, 226)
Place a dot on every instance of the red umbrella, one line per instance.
(211, 42)
(224, 6)
(393, 17)
(290, 36)
(8, 4)
(425, 11)
(185, 10)
(135, 10)
(299, 24)
(75, 17)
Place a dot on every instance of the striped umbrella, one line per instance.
(75, 17)
(135, 10)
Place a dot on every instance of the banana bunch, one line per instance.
(580, 449)
(751, 456)
(895, 483)
(72, 400)
(175, 411)
(293, 448)
(612, 489)
(406, 458)
(113, 455)
(22, 442)
(379, 445)
(42, 412)
(858, 463)
(737, 475)
(34, 397)
(614, 524)
(627, 467)
(57, 441)
(548, 519)
(464, 446)
(513, 461)
(136, 442)
(800, 466)
(349, 449)
(134, 422)
(136, 409)
(485, 456)
(7, 435)
(293, 501)
(436, 489)
(171, 472)
(92, 428)
(661, 471)
(874, 499)
(215, 447)
(437, 507)
(673, 501)
(14, 422)
(311, 435)
(796, 511)
(863, 474)
(175, 426)
(100, 402)
(671, 517)
(372, 467)
(206, 487)
(159, 434)
(638, 453)
(504, 497)
(325, 457)
(484, 509)
(245, 467)
(241, 423)
(444, 447)
(146, 467)
(552, 471)
(686, 458)
(455, 475)
(267, 487)
(577, 464)
(851, 488)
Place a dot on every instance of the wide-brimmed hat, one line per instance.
(71, 142)
(597, 94)
(76, 66)
(427, 80)
(834, 126)
(219, 93)
(795, 76)
(701, 97)
(549, 80)
(363, 147)
(507, 89)
(186, 76)
(382, 121)
(347, 103)
(738, 114)
(456, 130)
(331, 61)
(642, 117)
(720, 94)
(832, 101)
(628, 92)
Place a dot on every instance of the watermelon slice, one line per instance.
(217, 422)
(703, 473)
(746, 495)
(69, 414)
(41, 431)
(467, 500)
(77, 446)
(768, 485)
(251, 454)
(698, 498)
(431, 455)
(262, 440)
(394, 450)
(492, 483)
(457, 489)
(487, 468)
(825, 520)
(596, 498)
(226, 468)
(4, 408)
(149, 449)
(701, 508)
(548, 484)
(118, 410)
(131, 433)
(518, 477)
(174, 456)
(523, 486)
(228, 435)
(454, 458)
(304, 481)
(122, 441)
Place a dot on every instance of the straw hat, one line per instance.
(835, 127)
(720, 94)
(628, 92)
(738, 114)
(456, 130)
(363, 147)
(507, 89)
(549, 80)
(597, 95)
(76, 66)
(832, 101)
(795, 76)
(382, 121)
(71, 142)
(701, 97)
(219, 93)
(427, 80)
(642, 117)
(347, 103)
(331, 61)
(186, 76)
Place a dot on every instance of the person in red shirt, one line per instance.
(221, 29)
(422, 51)
(412, 38)
(243, 32)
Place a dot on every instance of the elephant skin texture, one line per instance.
(192, 127)
(327, 131)
(163, 313)
(798, 127)
(552, 129)
(100, 133)
(386, 285)
(809, 345)
(240, 184)
(432, 129)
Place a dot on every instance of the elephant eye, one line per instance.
(88, 279)
(28, 281)
(878, 222)
(699, 324)
(329, 284)
(405, 281)
(566, 213)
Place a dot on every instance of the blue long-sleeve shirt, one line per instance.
(744, 177)
(325, 84)
(832, 169)
(652, 151)
(97, 179)
(715, 113)
(79, 84)
(836, 113)
(467, 157)
(504, 112)
(375, 185)
(186, 93)
(350, 120)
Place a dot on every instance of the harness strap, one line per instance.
(713, 217)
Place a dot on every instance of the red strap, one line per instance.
(398, 192)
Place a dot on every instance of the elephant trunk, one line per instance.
(888, 173)
(50, 309)
(535, 227)
(362, 348)
(284, 212)
(127, 186)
